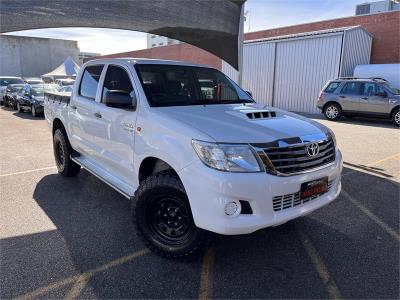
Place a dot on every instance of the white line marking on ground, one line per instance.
(28, 171)
(372, 216)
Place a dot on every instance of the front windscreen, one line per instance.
(391, 88)
(174, 85)
(38, 91)
(7, 81)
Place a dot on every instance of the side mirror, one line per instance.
(119, 99)
(250, 94)
(382, 94)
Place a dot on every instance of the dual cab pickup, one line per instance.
(193, 152)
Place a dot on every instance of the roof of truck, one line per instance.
(135, 61)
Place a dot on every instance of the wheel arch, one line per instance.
(331, 102)
(152, 165)
(397, 107)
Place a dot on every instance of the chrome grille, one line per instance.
(294, 158)
(291, 200)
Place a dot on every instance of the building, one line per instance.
(378, 39)
(154, 40)
(82, 56)
(289, 71)
(377, 7)
(31, 56)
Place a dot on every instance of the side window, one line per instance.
(118, 80)
(380, 90)
(352, 88)
(90, 81)
(332, 87)
(369, 89)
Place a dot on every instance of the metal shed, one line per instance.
(289, 71)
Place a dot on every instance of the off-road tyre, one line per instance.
(151, 206)
(332, 112)
(62, 155)
(396, 117)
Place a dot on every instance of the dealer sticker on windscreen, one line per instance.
(314, 187)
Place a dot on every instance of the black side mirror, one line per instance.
(250, 94)
(119, 99)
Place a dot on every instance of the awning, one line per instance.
(212, 25)
(69, 68)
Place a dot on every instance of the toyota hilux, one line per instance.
(193, 152)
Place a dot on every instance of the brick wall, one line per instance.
(184, 52)
(385, 28)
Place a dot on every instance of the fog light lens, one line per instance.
(232, 208)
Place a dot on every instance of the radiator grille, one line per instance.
(291, 200)
(294, 159)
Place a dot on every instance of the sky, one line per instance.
(262, 14)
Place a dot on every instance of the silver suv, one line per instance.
(373, 97)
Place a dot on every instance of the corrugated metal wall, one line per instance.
(289, 73)
(302, 68)
(356, 50)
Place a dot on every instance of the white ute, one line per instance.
(192, 150)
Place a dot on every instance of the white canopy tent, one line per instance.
(68, 69)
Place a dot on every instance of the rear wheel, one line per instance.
(396, 118)
(19, 108)
(332, 112)
(33, 111)
(62, 154)
(163, 218)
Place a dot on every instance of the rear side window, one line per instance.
(353, 88)
(332, 87)
(117, 79)
(90, 81)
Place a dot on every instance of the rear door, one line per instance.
(115, 127)
(350, 96)
(81, 118)
(377, 102)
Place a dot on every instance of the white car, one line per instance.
(192, 150)
(4, 82)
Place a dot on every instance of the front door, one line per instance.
(115, 127)
(81, 111)
(378, 102)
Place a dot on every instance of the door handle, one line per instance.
(97, 115)
(73, 107)
(364, 98)
(342, 96)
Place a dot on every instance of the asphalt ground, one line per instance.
(73, 237)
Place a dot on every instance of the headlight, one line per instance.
(226, 157)
(330, 134)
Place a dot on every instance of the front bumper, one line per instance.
(209, 190)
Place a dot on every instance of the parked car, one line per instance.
(4, 82)
(64, 82)
(31, 97)
(11, 93)
(66, 89)
(369, 97)
(192, 159)
(33, 80)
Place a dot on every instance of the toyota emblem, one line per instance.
(312, 149)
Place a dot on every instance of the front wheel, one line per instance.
(396, 118)
(62, 154)
(332, 112)
(163, 218)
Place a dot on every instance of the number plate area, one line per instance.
(314, 187)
